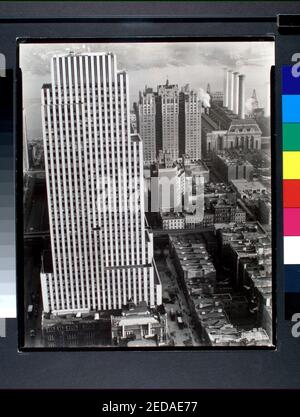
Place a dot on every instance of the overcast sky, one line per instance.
(196, 63)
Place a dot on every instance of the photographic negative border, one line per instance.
(276, 194)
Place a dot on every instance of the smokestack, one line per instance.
(235, 93)
(230, 91)
(225, 88)
(241, 96)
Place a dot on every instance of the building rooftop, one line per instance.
(245, 229)
(217, 188)
(247, 125)
(248, 185)
(193, 168)
(136, 315)
(171, 216)
(233, 158)
(195, 262)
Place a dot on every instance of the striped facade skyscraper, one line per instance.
(169, 95)
(147, 123)
(190, 110)
(102, 253)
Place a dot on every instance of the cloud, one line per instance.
(138, 56)
(196, 63)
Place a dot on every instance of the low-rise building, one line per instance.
(222, 129)
(76, 330)
(232, 165)
(258, 283)
(265, 210)
(139, 325)
(192, 221)
(249, 189)
(246, 251)
(194, 169)
(217, 97)
(225, 211)
(215, 312)
(167, 185)
(220, 189)
(193, 264)
(172, 221)
(213, 317)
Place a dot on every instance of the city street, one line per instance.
(178, 337)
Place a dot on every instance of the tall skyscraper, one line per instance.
(146, 122)
(190, 108)
(102, 254)
(170, 121)
(169, 96)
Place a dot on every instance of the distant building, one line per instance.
(190, 108)
(194, 169)
(137, 324)
(265, 210)
(169, 120)
(242, 244)
(231, 232)
(167, 184)
(224, 129)
(240, 250)
(249, 189)
(193, 264)
(221, 189)
(213, 141)
(169, 106)
(193, 221)
(258, 286)
(172, 221)
(76, 330)
(239, 216)
(226, 212)
(252, 103)
(133, 122)
(217, 97)
(146, 123)
(232, 167)
(243, 134)
(265, 127)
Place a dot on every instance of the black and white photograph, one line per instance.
(147, 194)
